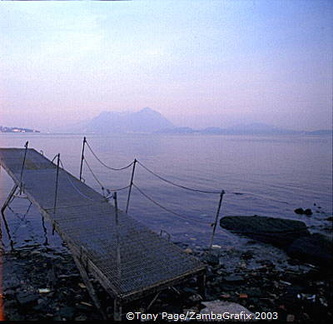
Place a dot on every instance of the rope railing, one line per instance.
(148, 170)
(167, 209)
(103, 187)
(175, 184)
(105, 165)
(110, 195)
(111, 191)
(132, 184)
(93, 174)
(73, 185)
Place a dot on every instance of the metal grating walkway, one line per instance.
(87, 223)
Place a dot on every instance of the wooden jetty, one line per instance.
(129, 260)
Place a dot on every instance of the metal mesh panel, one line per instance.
(88, 222)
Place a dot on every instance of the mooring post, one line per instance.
(56, 185)
(216, 218)
(82, 157)
(131, 185)
(23, 164)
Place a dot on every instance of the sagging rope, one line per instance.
(60, 163)
(111, 191)
(85, 142)
(73, 185)
(110, 195)
(167, 209)
(105, 165)
(175, 184)
(94, 175)
(103, 187)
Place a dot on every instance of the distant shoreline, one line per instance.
(173, 133)
(4, 129)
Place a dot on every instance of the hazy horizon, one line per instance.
(198, 63)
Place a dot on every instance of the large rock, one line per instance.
(316, 249)
(290, 235)
(276, 231)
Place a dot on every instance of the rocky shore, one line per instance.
(292, 236)
(42, 284)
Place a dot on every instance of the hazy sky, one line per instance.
(200, 63)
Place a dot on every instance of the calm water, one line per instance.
(261, 175)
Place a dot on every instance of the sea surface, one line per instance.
(261, 175)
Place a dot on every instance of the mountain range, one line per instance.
(148, 120)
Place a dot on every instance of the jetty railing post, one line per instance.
(23, 165)
(216, 218)
(117, 304)
(117, 234)
(82, 157)
(56, 185)
(131, 185)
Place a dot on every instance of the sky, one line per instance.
(199, 63)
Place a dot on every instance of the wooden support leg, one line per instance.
(7, 227)
(117, 310)
(90, 287)
(153, 301)
(46, 242)
(3, 208)
(9, 198)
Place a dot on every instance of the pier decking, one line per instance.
(128, 259)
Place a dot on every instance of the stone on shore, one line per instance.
(276, 231)
(316, 249)
(301, 211)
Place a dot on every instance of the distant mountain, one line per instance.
(243, 129)
(177, 130)
(144, 121)
(148, 120)
(321, 132)
(258, 129)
